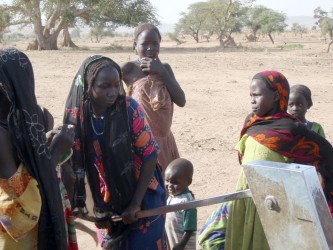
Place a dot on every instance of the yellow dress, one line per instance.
(244, 229)
(20, 206)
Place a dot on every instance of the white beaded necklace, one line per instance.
(93, 127)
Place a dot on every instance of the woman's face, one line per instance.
(297, 105)
(105, 89)
(148, 44)
(263, 99)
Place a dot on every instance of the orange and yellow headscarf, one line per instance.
(276, 81)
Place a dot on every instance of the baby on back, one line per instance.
(300, 102)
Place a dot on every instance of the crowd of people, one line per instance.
(116, 139)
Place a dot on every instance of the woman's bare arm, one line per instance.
(146, 175)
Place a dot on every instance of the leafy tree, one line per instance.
(266, 21)
(272, 22)
(225, 18)
(175, 37)
(192, 23)
(50, 17)
(325, 24)
(296, 28)
(318, 13)
(100, 31)
(253, 22)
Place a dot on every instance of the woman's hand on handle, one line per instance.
(128, 215)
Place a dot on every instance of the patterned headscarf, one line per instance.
(26, 129)
(276, 82)
(284, 134)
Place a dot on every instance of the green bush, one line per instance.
(294, 46)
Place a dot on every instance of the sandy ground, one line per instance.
(216, 84)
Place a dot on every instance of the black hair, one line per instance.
(303, 90)
(142, 27)
(95, 66)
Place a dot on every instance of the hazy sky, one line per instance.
(168, 10)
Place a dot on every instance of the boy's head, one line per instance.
(178, 176)
(299, 101)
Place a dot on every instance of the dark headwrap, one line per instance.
(284, 134)
(304, 91)
(117, 150)
(26, 129)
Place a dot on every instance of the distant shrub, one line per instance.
(114, 47)
(294, 46)
(174, 37)
(290, 46)
(84, 48)
(14, 36)
(122, 34)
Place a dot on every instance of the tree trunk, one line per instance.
(47, 35)
(329, 46)
(270, 37)
(67, 41)
(33, 45)
(49, 43)
(255, 35)
(221, 42)
(230, 43)
(196, 36)
(43, 44)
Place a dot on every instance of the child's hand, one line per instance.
(128, 215)
(150, 65)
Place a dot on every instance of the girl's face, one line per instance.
(263, 99)
(297, 105)
(148, 44)
(105, 89)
